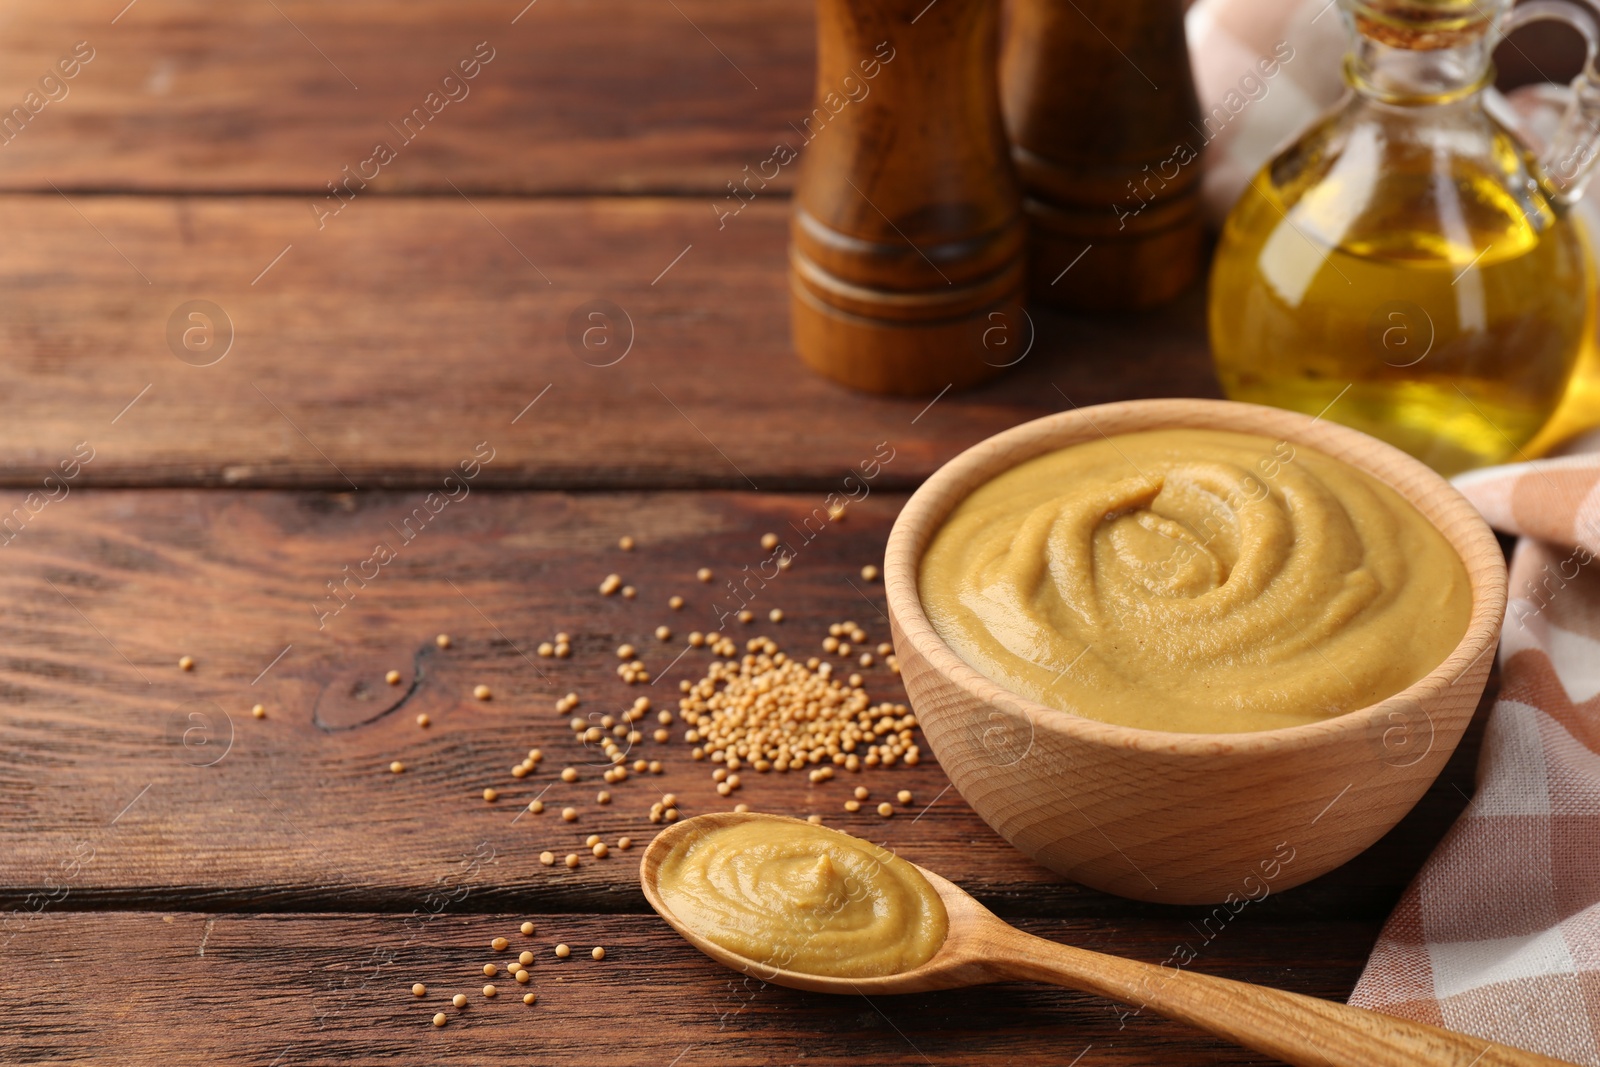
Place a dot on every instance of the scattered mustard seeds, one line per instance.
(624, 843)
(490, 990)
(443, 640)
(598, 953)
(572, 861)
(396, 767)
(704, 574)
(491, 794)
(424, 721)
(600, 850)
(675, 603)
(663, 633)
(569, 774)
(186, 663)
(259, 711)
(629, 592)
(439, 1019)
(562, 952)
(525, 957)
(499, 944)
(776, 614)
(481, 692)
(527, 931)
(547, 858)
(610, 584)
(869, 573)
(852, 806)
(886, 809)
(861, 792)
(490, 970)
(529, 998)
(419, 990)
(459, 1000)
(524, 976)
(536, 806)
(626, 543)
(393, 677)
(769, 541)
(569, 814)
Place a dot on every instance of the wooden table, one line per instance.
(184, 883)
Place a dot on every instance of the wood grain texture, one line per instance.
(602, 96)
(1191, 818)
(103, 756)
(379, 350)
(311, 989)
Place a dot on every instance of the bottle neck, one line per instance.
(1418, 76)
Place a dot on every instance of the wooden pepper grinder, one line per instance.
(907, 242)
(1106, 135)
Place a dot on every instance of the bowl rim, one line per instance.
(925, 512)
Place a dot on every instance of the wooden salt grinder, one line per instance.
(1105, 135)
(907, 242)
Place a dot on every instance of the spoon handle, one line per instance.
(1300, 1030)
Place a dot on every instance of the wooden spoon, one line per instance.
(979, 948)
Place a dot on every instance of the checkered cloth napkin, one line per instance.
(1499, 936)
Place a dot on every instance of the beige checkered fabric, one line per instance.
(1499, 936)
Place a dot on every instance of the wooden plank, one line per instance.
(601, 96)
(381, 349)
(127, 782)
(292, 990)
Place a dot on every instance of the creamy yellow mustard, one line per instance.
(804, 898)
(1195, 580)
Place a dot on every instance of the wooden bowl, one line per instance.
(1179, 817)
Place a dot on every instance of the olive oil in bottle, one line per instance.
(1405, 267)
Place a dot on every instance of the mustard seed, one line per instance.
(570, 774)
(259, 711)
(624, 843)
(529, 998)
(697, 639)
(490, 970)
(419, 990)
(563, 650)
(741, 808)
(866, 659)
(598, 953)
(562, 952)
(747, 615)
(769, 541)
(524, 976)
(491, 794)
(861, 792)
(459, 1000)
(663, 633)
(536, 806)
(569, 814)
(904, 796)
(546, 649)
(602, 797)
(776, 614)
(626, 543)
(439, 1019)
(490, 990)
(591, 841)
(520, 771)
(852, 806)
(629, 592)
(527, 931)
(396, 767)
(547, 858)
(655, 766)
(186, 663)
(600, 851)
(704, 574)
(393, 677)
(885, 648)
(869, 573)
(675, 603)
(886, 809)
(481, 692)
(572, 860)
(640, 766)
(671, 815)
(499, 944)
(609, 585)
(424, 721)
(814, 820)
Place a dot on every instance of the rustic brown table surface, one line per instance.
(184, 883)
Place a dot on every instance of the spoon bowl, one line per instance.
(979, 947)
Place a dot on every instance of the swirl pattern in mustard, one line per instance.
(804, 898)
(1196, 581)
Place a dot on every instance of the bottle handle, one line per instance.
(1569, 161)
